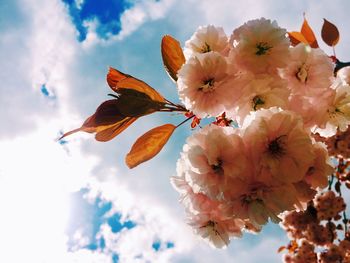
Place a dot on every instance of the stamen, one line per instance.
(206, 48)
(262, 48)
(302, 74)
(276, 147)
(208, 85)
(257, 100)
(217, 168)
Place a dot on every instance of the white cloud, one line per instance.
(141, 12)
(36, 177)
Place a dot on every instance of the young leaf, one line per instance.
(149, 145)
(280, 249)
(107, 115)
(118, 80)
(133, 103)
(114, 130)
(309, 35)
(296, 38)
(173, 57)
(329, 33)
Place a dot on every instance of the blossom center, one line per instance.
(311, 170)
(208, 85)
(211, 225)
(206, 48)
(257, 100)
(276, 148)
(217, 168)
(262, 48)
(333, 113)
(302, 73)
(255, 195)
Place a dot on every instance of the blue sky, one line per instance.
(77, 201)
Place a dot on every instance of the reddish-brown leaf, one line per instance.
(296, 38)
(119, 80)
(280, 249)
(173, 57)
(329, 33)
(195, 122)
(133, 103)
(309, 35)
(114, 130)
(106, 116)
(107, 113)
(149, 145)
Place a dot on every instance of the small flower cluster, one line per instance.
(321, 232)
(339, 147)
(235, 179)
(338, 144)
(317, 229)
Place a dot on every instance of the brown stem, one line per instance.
(185, 121)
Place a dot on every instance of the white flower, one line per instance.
(260, 46)
(206, 39)
(200, 84)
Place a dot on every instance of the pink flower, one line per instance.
(200, 84)
(344, 75)
(212, 156)
(338, 112)
(309, 71)
(262, 92)
(208, 218)
(215, 230)
(314, 109)
(257, 202)
(206, 39)
(279, 143)
(317, 174)
(260, 46)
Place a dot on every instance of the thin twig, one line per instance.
(185, 121)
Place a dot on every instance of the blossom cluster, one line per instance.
(234, 179)
(317, 227)
(237, 179)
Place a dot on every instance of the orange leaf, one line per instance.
(280, 249)
(173, 57)
(309, 35)
(106, 116)
(114, 130)
(329, 33)
(149, 145)
(118, 80)
(296, 38)
(88, 126)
